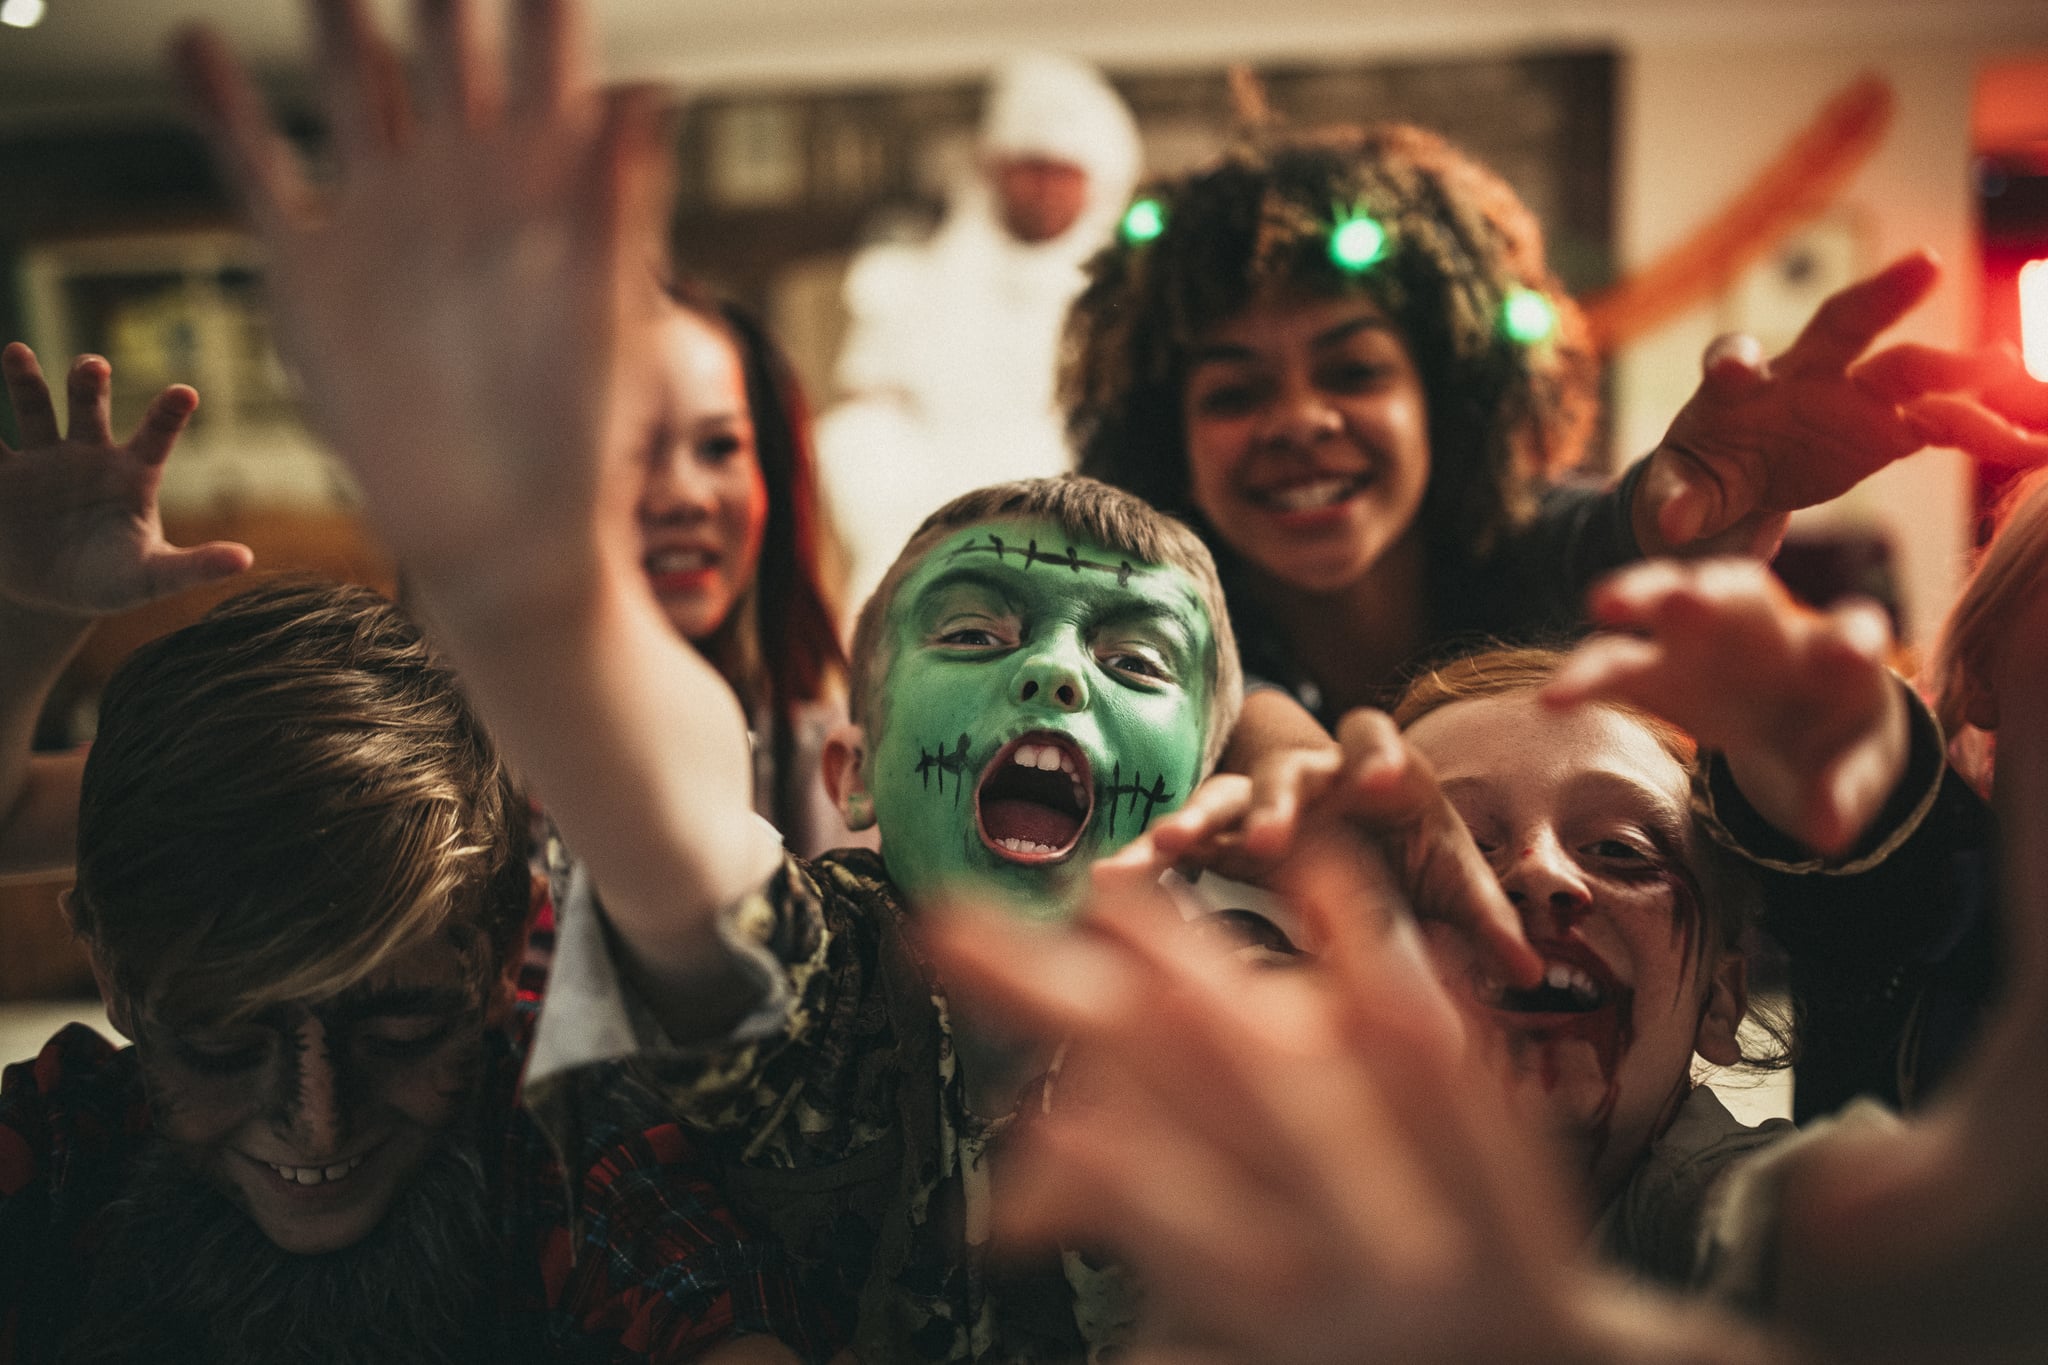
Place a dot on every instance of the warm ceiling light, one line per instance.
(23, 13)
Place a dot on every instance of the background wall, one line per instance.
(1706, 95)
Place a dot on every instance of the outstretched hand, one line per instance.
(1302, 1166)
(455, 303)
(1248, 828)
(79, 530)
(1812, 723)
(1760, 439)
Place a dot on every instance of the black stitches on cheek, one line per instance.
(1030, 554)
(1132, 792)
(942, 763)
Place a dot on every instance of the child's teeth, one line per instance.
(315, 1175)
(1309, 497)
(1026, 756)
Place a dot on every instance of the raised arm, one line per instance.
(1761, 439)
(80, 538)
(466, 305)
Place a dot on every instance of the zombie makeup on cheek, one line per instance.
(941, 763)
(1131, 793)
(1046, 698)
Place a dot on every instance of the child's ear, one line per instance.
(120, 1011)
(1727, 1002)
(505, 988)
(845, 752)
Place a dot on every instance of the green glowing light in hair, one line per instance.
(1144, 221)
(1527, 317)
(1357, 243)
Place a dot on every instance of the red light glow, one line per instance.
(2034, 317)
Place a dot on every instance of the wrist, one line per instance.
(1644, 503)
(1612, 1321)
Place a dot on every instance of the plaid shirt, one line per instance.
(637, 1260)
(840, 1120)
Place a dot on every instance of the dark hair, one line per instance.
(1502, 413)
(780, 647)
(283, 793)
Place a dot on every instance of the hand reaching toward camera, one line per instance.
(457, 302)
(80, 535)
(1761, 439)
(1304, 1166)
(1812, 723)
(1249, 827)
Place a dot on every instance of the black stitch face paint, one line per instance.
(1130, 794)
(1029, 554)
(942, 764)
(313, 1117)
(1066, 685)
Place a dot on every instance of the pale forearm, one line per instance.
(1622, 1324)
(639, 750)
(37, 822)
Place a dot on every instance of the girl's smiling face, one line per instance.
(1307, 438)
(703, 506)
(1585, 819)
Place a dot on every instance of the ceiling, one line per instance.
(105, 55)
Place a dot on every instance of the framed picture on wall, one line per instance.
(184, 307)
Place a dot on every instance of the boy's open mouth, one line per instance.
(1034, 798)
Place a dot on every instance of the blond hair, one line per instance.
(280, 797)
(2011, 570)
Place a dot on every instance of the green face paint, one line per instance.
(1046, 700)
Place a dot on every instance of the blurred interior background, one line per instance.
(1710, 168)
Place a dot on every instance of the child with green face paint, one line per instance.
(1040, 675)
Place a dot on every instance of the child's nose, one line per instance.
(1303, 417)
(313, 1114)
(1546, 884)
(1051, 677)
(672, 490)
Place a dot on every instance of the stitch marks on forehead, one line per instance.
(1030, 554)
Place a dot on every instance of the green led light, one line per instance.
(1144, 221)
(1527, 317)
(1357, 243)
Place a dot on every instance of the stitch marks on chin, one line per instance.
(1030, 553)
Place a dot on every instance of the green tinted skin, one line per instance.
(1045, 635)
